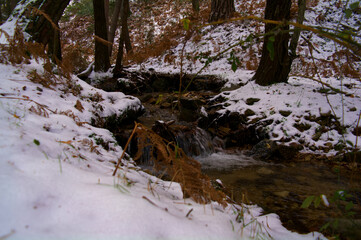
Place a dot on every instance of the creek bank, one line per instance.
(203, 108)
(200, 129)
(138, 83)
(282, 188)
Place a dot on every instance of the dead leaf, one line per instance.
(79, 106)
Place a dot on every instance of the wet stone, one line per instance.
(264, 171)
(282, 194)
(251, 101)
(249, 112)
(285, 113)
(357, 131)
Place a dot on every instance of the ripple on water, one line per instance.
(282, 188)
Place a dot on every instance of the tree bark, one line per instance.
(106, 10)
(275, 65)
(102, 60)
(123, 39)
(13, 4)
(1, 13)
(42, 30)
(8, 7)
(221, 10)
(114, 23)
(125, 29)
(297, 31)
(195, 6)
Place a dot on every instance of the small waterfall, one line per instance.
(197, 142)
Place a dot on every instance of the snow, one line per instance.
(302, 95)
(301, 99)
(57, 183)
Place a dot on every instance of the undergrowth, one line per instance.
(19, 51)
(168, 157)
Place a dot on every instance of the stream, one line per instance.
(281, 189)
(277, 186)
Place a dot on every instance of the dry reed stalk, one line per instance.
(125, 149)
(167, 156)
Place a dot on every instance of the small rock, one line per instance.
(166, 105)
(251, 101)
(249, 112)
(275, 135)
(264, 171)
(302, 126)
(313, 148)
(285, 113)
(316, 136)
(357, 131)
(282, 194)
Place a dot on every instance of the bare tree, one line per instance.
(102, 60)
(275, 62)
(278, 54)
(43, 26)
(297, 31)
(124, 39)
(1, 13)
(221, 9)
(114, 23)
(195, 6)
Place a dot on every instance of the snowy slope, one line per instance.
(56, 182)
(304, 97)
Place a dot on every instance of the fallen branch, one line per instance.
(125, 149)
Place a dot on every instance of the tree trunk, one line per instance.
(123, 39)
(8, 7)
(297, 31)
(13, 4)
(106, 10)
(195, 6)
(125, 29)
(275, 63)
(102, 61)
(119, 62)
(1, 13)
(42, 30)
(114, 23)
(221, 10)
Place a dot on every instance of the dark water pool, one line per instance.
(281, 189)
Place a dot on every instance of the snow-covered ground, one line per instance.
(56, 180)
(306, 100)
(301, 112)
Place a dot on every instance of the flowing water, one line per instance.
(281, 188)
(277, 188)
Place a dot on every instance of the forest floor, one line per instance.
(56, 167)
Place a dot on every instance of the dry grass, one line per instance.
(71, 114)
(19, 51)
(168, 157)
